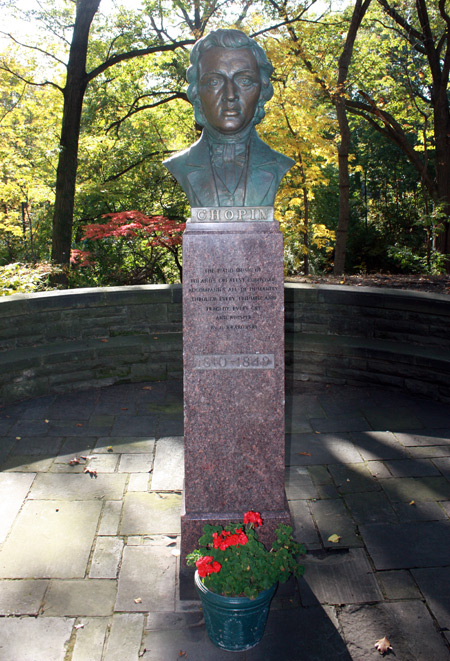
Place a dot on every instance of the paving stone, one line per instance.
(168, 471)
(435, 586)
(125, 637)
(411, 467)
(73, 447)
(311, 449)
(333, 518)
(443, 464)
(429, 451)
(138, 482)
(170, 541)
(150, 513)
(185, 632)
(445, 504)
(376, 445)
(419, 511)
(105, 421)
(378, 469)
(102, 463)
(148, 573)
(106, 558)
(6, 444)
(38, 445)
(304, 529)
(13, 490)
(90, 639)
(173, 408)
(327, 491)
(34, 639)
(136, 463)
(73, 405)
(398, 584)
(407, 624)
(392, 419)
(372, 507)
(298, 411)
(416, 488)
(108, 486)
(75, 598)
(130, 445)
(62, 533)
(433, 414)
(25, 428)
(353, 478)
(168, 427)
(320, 475)
(406, 545)
(309, 406)
(21, 597)
(26, 464)
(111, 513)
(340, 423)
(299, 485)
(338, 578)
(76, 428)
(142, 425)
(423, 438)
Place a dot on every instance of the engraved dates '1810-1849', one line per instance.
(234, 361)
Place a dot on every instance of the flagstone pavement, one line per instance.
(88, 560)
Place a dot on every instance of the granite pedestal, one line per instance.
(233, 329)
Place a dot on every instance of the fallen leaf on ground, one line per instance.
(305, 454)
(334, 538)
(90, 471)
(79, 424)
(104, 340)
(181, 653)
(383, 645)
(124, 408)
(46, 421)
(138, 600)
(412, 502)
(147, 388)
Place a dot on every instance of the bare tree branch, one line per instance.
(40, 50)
(6, 68)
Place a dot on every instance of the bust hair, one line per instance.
(229, 39)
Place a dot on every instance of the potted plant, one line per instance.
(237, 576)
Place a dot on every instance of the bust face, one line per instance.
(229, 88)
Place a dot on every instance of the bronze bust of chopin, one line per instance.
(229, 83)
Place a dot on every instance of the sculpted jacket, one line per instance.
(193, 171)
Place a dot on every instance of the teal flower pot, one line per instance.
(234, 623)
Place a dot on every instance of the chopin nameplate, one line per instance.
(231, 214)
(235, 361)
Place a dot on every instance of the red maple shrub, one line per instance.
(130, 248)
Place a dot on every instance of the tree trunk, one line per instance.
(74, 90)
(344, 146)
(344, 189)
(442, 142)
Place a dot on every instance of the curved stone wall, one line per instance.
(70, 340)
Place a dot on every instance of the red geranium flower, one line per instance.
(207, 566)
(253, 518)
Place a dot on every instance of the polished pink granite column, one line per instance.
(233, 346)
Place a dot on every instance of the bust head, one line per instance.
(229, 81)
